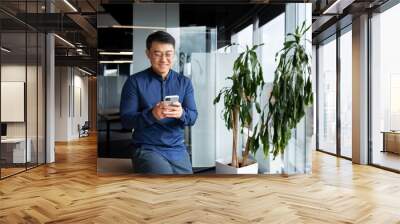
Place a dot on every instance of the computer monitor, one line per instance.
(3, 129)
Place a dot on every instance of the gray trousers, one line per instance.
(147, 161)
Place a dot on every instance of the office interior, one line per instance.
(54, 54)
(64, 156)
(39, 108)
(360, 40)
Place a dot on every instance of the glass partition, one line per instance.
(22, 88)
(199, 66)
(15, 151)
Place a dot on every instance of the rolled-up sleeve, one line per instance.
(189, 114)
(131, 117)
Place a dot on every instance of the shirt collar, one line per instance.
(159, 77)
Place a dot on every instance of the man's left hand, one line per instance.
(173, 111)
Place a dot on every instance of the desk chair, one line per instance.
(84, 130)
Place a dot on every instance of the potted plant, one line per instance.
(291, 94)
(239, 100)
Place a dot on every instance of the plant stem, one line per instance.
(246, 149)
(235, 136)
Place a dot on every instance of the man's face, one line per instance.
(161, 56)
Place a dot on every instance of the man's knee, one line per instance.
(183, 166)
(149, 162)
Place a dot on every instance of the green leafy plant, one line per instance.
(240, 98)
(291, 94)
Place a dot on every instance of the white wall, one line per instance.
(80, 84)
(70, 84)
(33, 125)
(224, 65)
(13, 101)
(16, 73)
(61, 103)
(203, 132)
(272, 35)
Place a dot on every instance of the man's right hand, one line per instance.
(158, 111)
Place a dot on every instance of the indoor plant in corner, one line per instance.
(239, 100)
(291, 94)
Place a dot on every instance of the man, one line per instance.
(158, 135)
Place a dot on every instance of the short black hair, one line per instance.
(160, 36)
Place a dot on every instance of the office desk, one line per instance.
(13, 150)
(391, 141)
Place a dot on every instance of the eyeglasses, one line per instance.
(159, 54)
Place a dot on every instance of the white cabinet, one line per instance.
(16, 149)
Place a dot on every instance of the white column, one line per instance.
(50, 99)
(50, 92)
(360, 90)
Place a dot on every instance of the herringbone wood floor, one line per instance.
(70, 191)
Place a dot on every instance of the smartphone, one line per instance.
(171, 99)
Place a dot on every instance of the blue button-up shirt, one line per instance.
(141, 92)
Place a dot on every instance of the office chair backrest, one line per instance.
(86, 125)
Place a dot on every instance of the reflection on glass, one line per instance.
(346, 94)
(110, 131)
(200, 67)
(327, 96)
(385, 88)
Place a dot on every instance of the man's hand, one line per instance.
(162, 110)
(158, 111)
(173, 111)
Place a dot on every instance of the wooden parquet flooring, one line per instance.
(70, 191)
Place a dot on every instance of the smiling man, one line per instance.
(158, 128)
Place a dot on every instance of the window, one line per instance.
(385, 88)
(346, 93)
(327, 96)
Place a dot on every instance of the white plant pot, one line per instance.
(222, 167)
